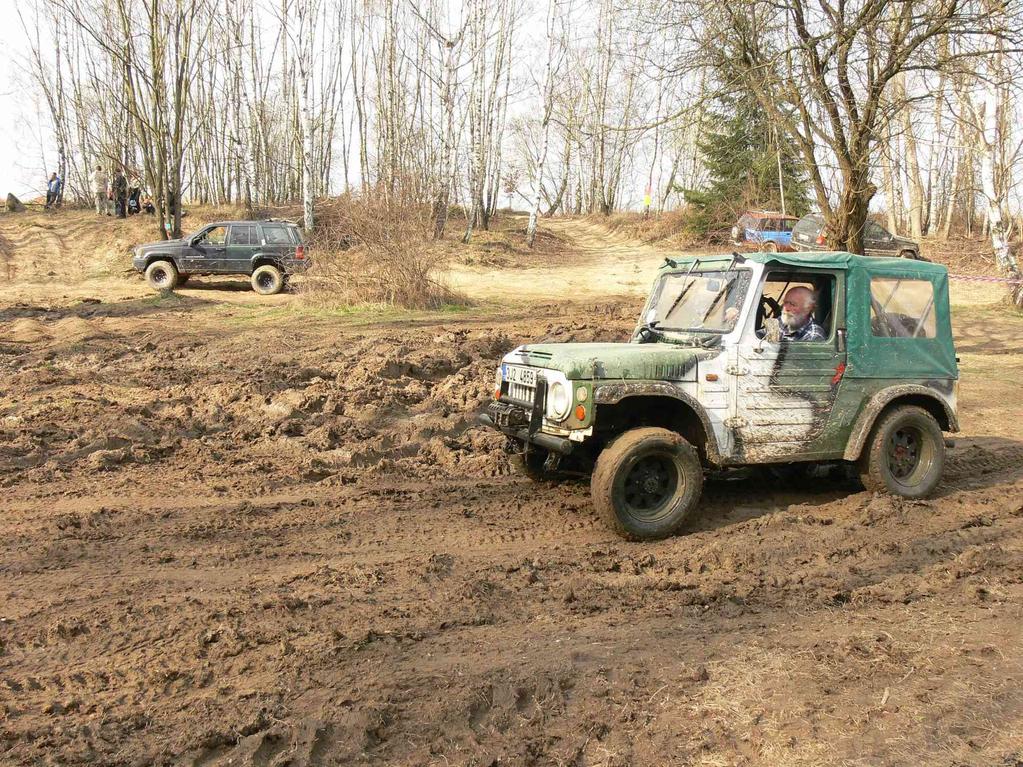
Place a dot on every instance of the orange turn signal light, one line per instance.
(580, 413)
(497, 394)
(711, 376)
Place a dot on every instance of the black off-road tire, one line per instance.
(162, 275)
(646, 483)
(531, 465)
(769, 247)
(905, 453)
(267, 280)
(911, 254)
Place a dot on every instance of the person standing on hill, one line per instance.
(120, 194)
(52, 191)
(100, 188)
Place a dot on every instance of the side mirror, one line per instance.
(840, 339)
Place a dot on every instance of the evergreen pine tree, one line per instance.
(741, 155)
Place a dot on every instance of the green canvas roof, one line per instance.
(869, 355)
(821, 260)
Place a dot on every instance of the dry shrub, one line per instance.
(377, 250)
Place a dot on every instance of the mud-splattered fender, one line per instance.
(613, 393)
(939, 392)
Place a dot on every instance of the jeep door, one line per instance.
(784, 390)
(242, 244)
(207, 251)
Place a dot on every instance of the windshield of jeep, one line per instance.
(706, 302)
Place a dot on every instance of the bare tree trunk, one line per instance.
(306, 11)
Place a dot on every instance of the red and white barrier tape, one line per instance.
(985, 279)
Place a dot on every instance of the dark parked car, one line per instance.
(266, 251)
(808, 234)
(771, 232)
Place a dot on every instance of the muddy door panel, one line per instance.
(785, 393)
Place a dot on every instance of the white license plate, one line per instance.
(524, 376)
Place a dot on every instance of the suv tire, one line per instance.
(905, 453)
(162, 275)
(267, 280)
(646, 483)
(908, 254)
(769, 247)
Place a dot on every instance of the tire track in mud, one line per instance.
(972, 459)
(34, 254)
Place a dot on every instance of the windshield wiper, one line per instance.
(682, 293)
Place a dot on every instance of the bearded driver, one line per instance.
(797, 316)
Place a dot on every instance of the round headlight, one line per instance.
(559, 400)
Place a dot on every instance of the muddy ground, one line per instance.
(240, 532)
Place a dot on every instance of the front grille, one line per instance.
(521, 392)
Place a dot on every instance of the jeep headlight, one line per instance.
(559, 400)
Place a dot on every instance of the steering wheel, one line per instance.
(769, 307)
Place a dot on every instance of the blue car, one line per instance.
(769, 231)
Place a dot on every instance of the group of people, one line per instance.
(125, 199)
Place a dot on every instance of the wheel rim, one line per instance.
(160, 277)
(265, 280)
(909, 454)
(649, 486)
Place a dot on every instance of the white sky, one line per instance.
(21, 163)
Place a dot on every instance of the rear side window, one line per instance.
(277, 235)
(876, 231)
(244, 235)
(901, 308)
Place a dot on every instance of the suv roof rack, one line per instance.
(278, 220)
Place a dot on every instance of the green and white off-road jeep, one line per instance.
(702, 387)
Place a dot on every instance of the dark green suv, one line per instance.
(266, 251)
(808, 235)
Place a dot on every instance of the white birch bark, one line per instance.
(548, 108)
(304, 43)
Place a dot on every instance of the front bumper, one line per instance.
(514, 421)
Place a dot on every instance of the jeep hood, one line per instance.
(621, 361)
(160, 243)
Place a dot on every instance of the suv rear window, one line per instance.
(902, 308)
(277, 234)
